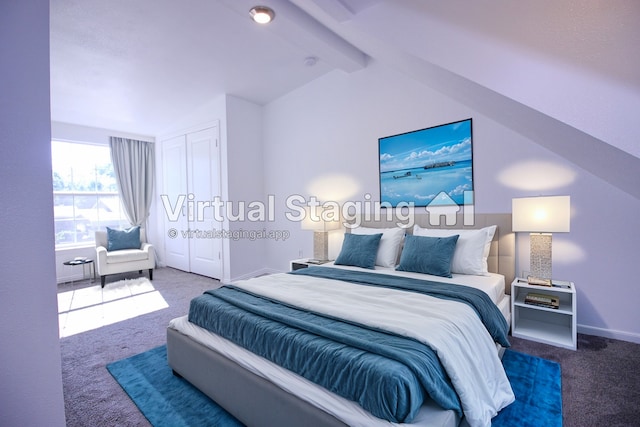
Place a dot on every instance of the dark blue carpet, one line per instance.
(167, 400)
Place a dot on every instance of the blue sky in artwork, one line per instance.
(427, 146)
(417, 167)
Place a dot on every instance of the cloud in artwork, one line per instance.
(418, 158)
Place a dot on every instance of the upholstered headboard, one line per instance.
(502, 256)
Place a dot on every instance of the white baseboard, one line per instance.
(260, 272)
(72, 278)
(609, 333)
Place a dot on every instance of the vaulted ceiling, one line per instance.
(563, 73)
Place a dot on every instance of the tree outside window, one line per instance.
(85, 193)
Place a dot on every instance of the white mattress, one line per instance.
(349, 412)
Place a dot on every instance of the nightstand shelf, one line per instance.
(546, 325)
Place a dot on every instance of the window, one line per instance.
(85, 193)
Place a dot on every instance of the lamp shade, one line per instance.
(541, 214)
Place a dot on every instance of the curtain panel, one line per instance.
(134, 167)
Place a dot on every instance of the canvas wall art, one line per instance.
(428, 167)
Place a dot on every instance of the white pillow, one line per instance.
(472, 249)
(389, 243)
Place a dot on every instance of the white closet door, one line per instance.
(203, 181)
(174, 170)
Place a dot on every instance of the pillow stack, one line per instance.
(439, 252)
(472, 248)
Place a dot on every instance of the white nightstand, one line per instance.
(555, 326)
(297, 264)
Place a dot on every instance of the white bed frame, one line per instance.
(257, 402)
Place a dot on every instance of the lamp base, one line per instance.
(540, 255)
(321, 246)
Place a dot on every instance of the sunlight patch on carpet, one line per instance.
(90, 308)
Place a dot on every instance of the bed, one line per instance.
(260, 393)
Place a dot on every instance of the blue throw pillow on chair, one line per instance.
(123, 239)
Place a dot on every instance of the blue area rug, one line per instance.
(167, 400)
(163, 398)
(536, 384)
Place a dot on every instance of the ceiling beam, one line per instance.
(300, 29)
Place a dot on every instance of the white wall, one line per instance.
(77, 133)
(322, 139)
(245, 177)
(30, 364)
(572, 60)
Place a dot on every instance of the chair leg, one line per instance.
(151, 274)
(102, 280)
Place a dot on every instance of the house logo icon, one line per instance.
(443, 205)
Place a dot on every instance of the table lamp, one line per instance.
(541, 216)
(321, 228)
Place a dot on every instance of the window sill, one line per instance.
(60, 249)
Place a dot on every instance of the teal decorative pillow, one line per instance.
(429, 255)
(123, 239)
(359, 250)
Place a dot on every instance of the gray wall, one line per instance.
(30, 368)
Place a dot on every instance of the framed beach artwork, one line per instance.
(432, 166)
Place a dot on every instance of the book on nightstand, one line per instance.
(538, 281)
(542, 300)
(561, 284)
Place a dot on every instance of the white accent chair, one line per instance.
(124, 260)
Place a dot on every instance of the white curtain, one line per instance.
(134, 167)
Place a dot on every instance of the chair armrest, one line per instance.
(101, 255)
(148, 247)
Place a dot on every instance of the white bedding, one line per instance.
(482, 386)
(492, 284)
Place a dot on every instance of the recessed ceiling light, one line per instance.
(262, 14)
